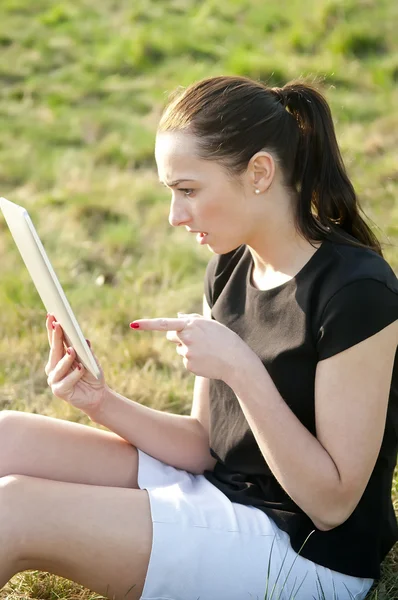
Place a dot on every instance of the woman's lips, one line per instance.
(201, 238)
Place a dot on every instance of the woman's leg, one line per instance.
(56, 449)
(99, 537)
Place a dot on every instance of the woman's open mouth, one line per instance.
(201, 238)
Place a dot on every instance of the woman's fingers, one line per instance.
(182, 350)
(169, 325)
(49, 321)
(66, 375)
(61, 369)
(173, 337)
(61, 389)
(159, 324)
(57, 347)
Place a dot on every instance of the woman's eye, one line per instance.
(187, 191)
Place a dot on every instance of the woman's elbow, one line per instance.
(327, 523)
(336, 514)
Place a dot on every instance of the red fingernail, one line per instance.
(69, 351)
(134, 326)
(53, 324)
(79, 367)
(88, 342)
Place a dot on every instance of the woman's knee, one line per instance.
(9, 421)
(14, 521)
(8, 418)
(7, 483)
(9, 489)
(10, 427)
(14, 441)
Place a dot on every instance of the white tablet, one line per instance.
(46, 281)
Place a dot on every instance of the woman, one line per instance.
(279, 483)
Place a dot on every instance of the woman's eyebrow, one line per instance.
(174, 183)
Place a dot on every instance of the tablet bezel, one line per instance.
(46, 281)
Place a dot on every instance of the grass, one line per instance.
(82, 85)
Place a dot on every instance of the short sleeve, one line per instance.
(356, 312)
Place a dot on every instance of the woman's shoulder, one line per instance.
(348, 263)
(354, 295)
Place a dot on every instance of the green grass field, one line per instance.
(82, 86)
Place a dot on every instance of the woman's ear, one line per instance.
(261, 171)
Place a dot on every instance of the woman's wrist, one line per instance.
(239, 373)
(95, 411)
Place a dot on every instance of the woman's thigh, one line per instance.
(99, 537)
(50, 448)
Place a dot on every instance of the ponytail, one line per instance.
(327, 200)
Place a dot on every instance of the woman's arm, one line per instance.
(178, 440)
(201, 398)
(325, 475)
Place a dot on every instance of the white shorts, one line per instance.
(206, 547)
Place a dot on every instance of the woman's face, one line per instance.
(204, 200)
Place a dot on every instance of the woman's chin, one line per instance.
(219, 249)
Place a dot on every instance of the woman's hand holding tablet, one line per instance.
(68, 379)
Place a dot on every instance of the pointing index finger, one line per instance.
(159, 324)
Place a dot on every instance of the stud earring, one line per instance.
(256, 191)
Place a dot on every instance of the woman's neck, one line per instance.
(277, 263)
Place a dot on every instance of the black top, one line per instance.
(341, 296)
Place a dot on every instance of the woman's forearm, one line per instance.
(299, 462)
(177, 440)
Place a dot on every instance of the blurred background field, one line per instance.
(82, 86)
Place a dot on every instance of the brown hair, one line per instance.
(235, 117)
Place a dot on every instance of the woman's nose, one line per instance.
(179, 214)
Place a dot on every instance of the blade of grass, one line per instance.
(279, 572)
(295, 558)
(352, 597)
(300, 585)
(269, 567)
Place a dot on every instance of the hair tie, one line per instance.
(280, 95)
